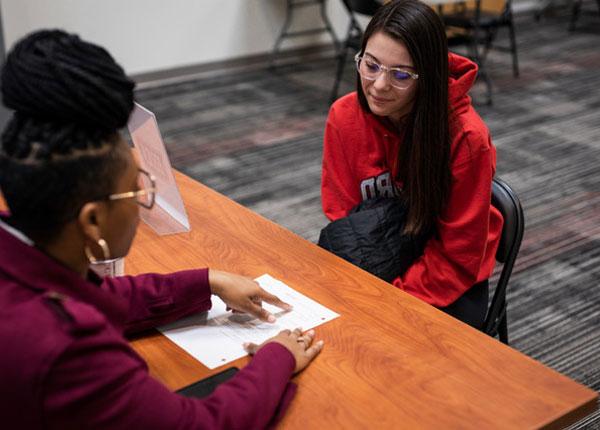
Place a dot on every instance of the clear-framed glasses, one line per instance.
(145, 195)
(369, 69)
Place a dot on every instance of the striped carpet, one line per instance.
(256, 137)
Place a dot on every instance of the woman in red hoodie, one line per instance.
(410, 130)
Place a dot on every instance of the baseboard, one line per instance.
(192, 72)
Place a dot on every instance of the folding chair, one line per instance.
(576, 11)
(285, 30)
(477, 24)
(353, 36)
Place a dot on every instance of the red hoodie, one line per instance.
(358, 149)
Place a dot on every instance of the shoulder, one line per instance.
(470, 138)
(59, 351)
(349, 119)
(40, 326)
(348, 101)
(345, 110)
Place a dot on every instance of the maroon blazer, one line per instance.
(64, 362)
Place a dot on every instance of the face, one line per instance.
(384, 99)
(122, 217)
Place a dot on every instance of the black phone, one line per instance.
(206, 386)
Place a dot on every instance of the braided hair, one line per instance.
(61, 147)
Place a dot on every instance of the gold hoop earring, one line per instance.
(105, 251)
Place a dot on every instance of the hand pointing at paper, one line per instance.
(243, 294)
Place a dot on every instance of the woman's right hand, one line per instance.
(300, 345)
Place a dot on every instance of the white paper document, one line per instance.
(216, 337)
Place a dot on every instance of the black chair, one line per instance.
(475, 27)
(507, 202)
(285, 30)
(353, 36)
(576, 11)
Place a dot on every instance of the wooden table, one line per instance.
(389, 361)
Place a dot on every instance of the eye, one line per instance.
(371, 66)
(401, 75)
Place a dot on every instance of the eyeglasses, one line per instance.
(370, 70)
(143, 197)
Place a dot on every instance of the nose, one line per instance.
(382, 81)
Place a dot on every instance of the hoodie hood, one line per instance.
(462, 74)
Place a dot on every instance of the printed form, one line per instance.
(216, 337)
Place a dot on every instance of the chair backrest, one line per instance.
(507, 202)
(363, 7)
(353, 37)
(355, 30)
(489, 6)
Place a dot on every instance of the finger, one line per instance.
(261, 313)
(297, 332)
(307, 338)
(286, 332)
(314, 350)
(274, 300)
(305, 342)
(250, 347)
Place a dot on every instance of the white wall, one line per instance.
(151, 35)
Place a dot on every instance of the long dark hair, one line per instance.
(423, 159)
(61, 147)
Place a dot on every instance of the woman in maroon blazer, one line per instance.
(73, 190)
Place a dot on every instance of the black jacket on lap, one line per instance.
(371, 238)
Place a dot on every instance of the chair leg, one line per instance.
(513, 48)
(503, 330)
(488, 84)
(341, 65)
(282, 34)
(488, 41)
(474, 53)
(354, 32)
(328, 26)
(574, 14)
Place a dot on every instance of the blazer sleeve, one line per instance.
(98, 382)
(453, 258)
(155, 299)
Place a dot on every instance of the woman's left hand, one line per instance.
(243, 294)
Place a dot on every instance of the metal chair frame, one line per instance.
(353, 36)
(482, 29)
(507, 202)
(576, 10)
(285, 33)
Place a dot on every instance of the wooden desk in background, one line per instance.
(389, 361)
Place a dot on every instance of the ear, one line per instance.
(92, 220)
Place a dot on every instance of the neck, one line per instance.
(67, 249)
(397, 120)
(77, 264)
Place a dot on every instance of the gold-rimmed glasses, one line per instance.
(145, 196)
(370, 69)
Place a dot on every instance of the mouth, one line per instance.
(379, 100)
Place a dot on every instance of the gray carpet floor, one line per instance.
(256, 136)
